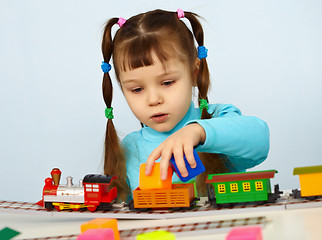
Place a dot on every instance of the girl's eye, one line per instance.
(167, 83)
(136, 90)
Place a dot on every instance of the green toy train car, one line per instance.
(241, 187)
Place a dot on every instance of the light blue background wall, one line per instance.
(265, 57)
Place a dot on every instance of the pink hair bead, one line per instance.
(121, 21)
(180, 13)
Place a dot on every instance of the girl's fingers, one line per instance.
(156, 153)
(178, 157)
(188, 151)
(178, 145)
(164, 163)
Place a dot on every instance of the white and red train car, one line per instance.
(94, 191)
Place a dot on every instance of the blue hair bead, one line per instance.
(106, 67)
(202, 52)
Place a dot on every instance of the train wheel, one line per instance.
(92, 209)
(312, 198)
(75, 206)
(144, 209)
(227, 205)
(105, 206)
(176, 209)
(193, 203)
(131, 205)
(57, 208)
(271, 198)
(132, 208)
(211, 194)
(261, 202)
(296, 193)
(49, 205)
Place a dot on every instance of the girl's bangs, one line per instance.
(141, 52)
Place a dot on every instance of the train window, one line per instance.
(88, 187)
(246, 186)
(92, 188)
(221, 188)
(95, 188)
(233, 187)
(259, 186)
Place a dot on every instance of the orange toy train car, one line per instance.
(179, 196)
(155, 193)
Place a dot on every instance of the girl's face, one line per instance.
(158, 95)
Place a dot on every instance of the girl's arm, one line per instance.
(245, 140)
(237, 136)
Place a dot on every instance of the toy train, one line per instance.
(230, 188)
(178, 197)
(310, 182)
(153, 192)
(95, 191)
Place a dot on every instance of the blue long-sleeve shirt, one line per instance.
(243, 139)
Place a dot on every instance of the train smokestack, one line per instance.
(55, 175)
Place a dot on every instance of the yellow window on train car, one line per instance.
(221, 188)
(233, 187)
(246, 186)
(259, 186)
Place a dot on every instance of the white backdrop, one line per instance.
(264, 56)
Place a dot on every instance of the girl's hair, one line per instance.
(162, 34)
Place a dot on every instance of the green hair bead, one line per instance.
(109, 113)
(203, 105)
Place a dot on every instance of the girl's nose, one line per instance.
(155, 98)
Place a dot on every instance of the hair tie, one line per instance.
(203, 105)
(106, 67)
(121, 22)
(109, 113)
(202, 52)
(180, 13)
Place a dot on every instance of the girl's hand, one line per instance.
(179, 144)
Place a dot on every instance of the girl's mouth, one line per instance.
(159, 117)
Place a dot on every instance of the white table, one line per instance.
(282, 224)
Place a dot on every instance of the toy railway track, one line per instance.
(235, 191)
(121, 212)
(199, 228)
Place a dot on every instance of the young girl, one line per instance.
(157, 66)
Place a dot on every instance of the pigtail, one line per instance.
(214, 163)
(114, 159)
(203, 77)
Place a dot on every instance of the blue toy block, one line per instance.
(192, 172)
